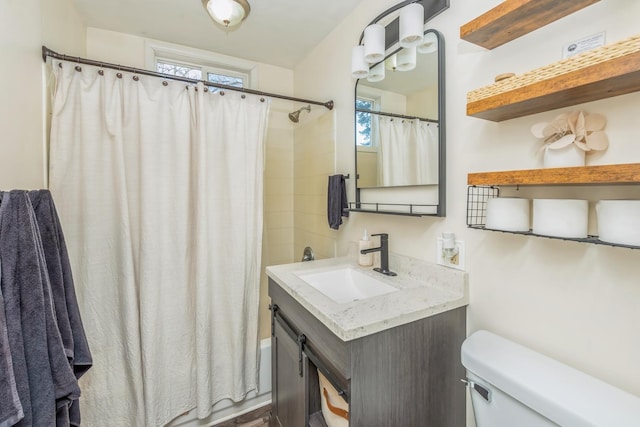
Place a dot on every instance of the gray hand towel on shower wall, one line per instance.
(63, 291)
(43, 376)
(337, 205)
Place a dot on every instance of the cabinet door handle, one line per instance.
(274, 309)
(301, 340)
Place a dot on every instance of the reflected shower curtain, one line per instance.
(426, 140)
(408, 152)
(159, 189)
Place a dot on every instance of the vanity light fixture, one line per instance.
(376, 73)
(406, 59)
(227, 13)
(359, 66)
(411, 35)
(429, 43)
(374, 43)
(411, 25)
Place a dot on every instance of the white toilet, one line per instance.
(511, 386)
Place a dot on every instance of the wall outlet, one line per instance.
(457, 261)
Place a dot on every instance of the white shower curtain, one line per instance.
(159, 189)
(408, 152)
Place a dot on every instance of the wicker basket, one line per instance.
(585, 59)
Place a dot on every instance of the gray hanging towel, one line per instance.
(337, 205)
(44, 378)
(10, 407)
(61, 279)
(64, 296)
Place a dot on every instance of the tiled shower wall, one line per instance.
(277, 247)
(314, 161)
(299, 159)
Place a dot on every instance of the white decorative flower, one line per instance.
(583, 130)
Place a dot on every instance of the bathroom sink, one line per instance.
(346, 284)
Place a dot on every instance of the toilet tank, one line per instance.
(527, 389)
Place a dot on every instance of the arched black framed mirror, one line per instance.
(400, 139)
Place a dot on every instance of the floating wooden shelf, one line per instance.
(597, 74)
(514, 18)
(606, 174)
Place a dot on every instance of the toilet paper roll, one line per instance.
(619, 221)
(508, 214)
(561, 218)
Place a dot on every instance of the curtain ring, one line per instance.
(206, 89)
(261, 99)
(165, 83)
(243, 96)
(78, 68)
(221, 93)
(119, 75)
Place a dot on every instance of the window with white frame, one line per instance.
(213, 75)
(200, 65)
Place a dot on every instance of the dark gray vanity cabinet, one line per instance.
(405, 376)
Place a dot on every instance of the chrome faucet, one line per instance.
(384, 254)
(308, 254)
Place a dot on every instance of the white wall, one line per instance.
(24, 27)
(579, 303)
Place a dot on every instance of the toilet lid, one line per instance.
(557, 391)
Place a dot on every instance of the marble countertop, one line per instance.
(425, 289)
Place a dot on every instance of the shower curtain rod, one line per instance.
(48, 52)
(399, 116)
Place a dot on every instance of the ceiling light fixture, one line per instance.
(227, 13)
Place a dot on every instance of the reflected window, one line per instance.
(363, 122)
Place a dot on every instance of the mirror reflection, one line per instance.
(397, 119)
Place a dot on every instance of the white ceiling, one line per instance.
(277, 32)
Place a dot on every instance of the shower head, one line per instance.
(295, 116)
